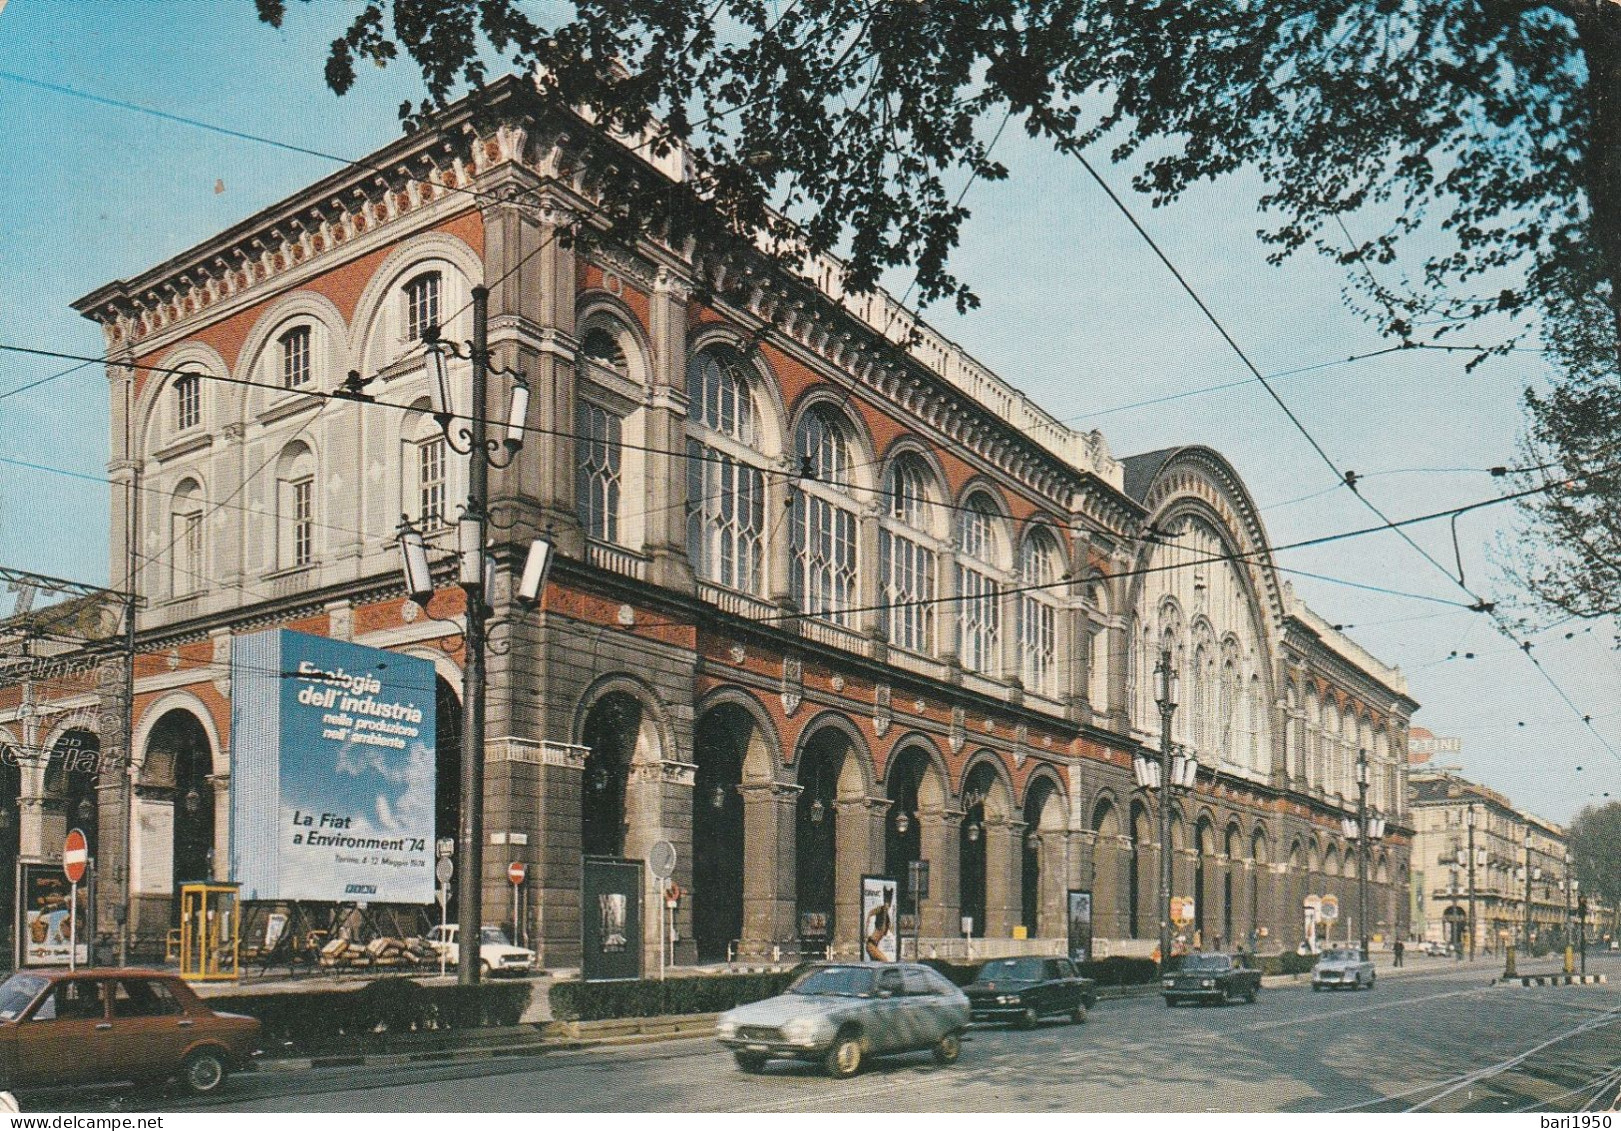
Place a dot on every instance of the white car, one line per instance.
(1341, 968)
(496, 955)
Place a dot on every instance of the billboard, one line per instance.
(610, 918)
(1080, 925)
(879, 942)
(332, 771)
(44, 910)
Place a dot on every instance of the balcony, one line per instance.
(616, 559)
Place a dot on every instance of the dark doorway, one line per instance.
(71, 777)
(179, 756)
(1035, 806)
(611, 730)
(721, 741)
(816, 817)
(1138, 881)
(972, 854)
(903, 832)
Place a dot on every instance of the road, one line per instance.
(1435, 1036)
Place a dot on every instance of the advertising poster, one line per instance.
(610, 919)
(332, 771)
(43, 910)
(879, 920)
(1080, 925)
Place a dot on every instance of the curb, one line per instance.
(1554, 980)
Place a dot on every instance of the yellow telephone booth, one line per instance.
(209, 930)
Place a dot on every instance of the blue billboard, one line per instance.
(332, 771)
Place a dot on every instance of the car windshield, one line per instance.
(1013, 970)
(16, 992)
(493, 935)
(1206, 962)
(834, 981)
(1339, 956)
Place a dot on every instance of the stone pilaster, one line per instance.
(770, 834)
(939, 832)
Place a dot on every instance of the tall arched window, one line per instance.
(420, 296)
(725, 488)
(598, 456)
(186, 539)
(294, 346)
(295, 507)
(1040, 564)
(188, 401)
(979, 612)
(823, 528)
(907, 560)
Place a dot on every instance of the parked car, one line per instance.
(1340, 968)
(495, 954)
(73, 1029)
(1029, 988)
(1212, 977)
(842, 1014)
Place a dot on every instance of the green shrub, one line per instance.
(1120, 971)
(957, 973)
(341, 1020)
(1287, 963)
(714, 993)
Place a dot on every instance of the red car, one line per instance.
(60, 1029)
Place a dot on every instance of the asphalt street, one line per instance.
(1435, 1036)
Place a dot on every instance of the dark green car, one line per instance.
(1212, 977)
(1026, 989)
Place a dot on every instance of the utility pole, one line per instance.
(1471, 820)
(1167, 708)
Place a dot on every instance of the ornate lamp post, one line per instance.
(1179, 771)
(1367, 825)
(472, 440)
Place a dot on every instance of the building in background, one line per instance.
(831, 597)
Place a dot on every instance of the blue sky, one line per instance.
(1076, 312)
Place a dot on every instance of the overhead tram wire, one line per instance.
(1349, 479)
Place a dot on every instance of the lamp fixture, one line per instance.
(902, 822)
(717, 797)
(193, 799)
(414, 563)
(973, 831)
(817, 811)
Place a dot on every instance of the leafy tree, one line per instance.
(1595, 846)
(1476, 142)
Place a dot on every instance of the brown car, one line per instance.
(60, 1029)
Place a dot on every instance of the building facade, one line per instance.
(830, 597)
(1521, 882)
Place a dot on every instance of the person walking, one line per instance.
(1398, 950)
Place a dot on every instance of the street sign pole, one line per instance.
(75, 855)
(442, 871)
(73, 926)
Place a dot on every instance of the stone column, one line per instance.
(782, 504)
(1052, 909)
(665, 518)
(859, 851)
(939, 830)
(1004, 876)
(658, 806)
(220, 789)
(870, 584)
(556, 891)
(770, 840)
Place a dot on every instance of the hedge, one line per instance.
(1117, 971)
(351, 1019)
(712, 993)
(1289, 962)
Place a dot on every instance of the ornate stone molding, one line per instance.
(793, 684)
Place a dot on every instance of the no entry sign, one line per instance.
(75, 855)
(516, 871)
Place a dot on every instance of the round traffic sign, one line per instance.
(661, 859)
(444, 870)
(75, 854)
(516, 871)
(1331, 908)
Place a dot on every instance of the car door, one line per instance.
(150, 1029)
(925, 1007)
(893, 1022)
(1065, 996)
(66, 1038)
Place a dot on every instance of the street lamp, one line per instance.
(1178, 771)
(1470, 818)
(1368, 825)
(472, 440)
(1566, 887)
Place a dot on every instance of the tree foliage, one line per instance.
(1475, 145)
(1595, 845)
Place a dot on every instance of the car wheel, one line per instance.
(948, 1049)
(1372, 980)
(1028, 1019)
(1227, 995)
(1252, 995)
(483, 968)
(1316, 987)
(751, 1062)
(1079, 1014)
(1170, 1002)
(844, 1058)
(203, 1072)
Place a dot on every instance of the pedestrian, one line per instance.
(1398, 950)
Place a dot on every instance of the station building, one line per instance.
(830, 595)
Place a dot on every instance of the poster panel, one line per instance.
(43, 910)
(610, 919)
(879, 920)
(1080, 925)
(332, 771)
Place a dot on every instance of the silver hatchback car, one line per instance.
(841, 1014)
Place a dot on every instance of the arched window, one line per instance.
(1039, 565)
(188, 401)
(295, 507)
(420, 296)
(186, 539)
(979, 612)
(424, 472)
(725, 488)
(824, 537)
(598, 456)
(295, 357)
(907, 559)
